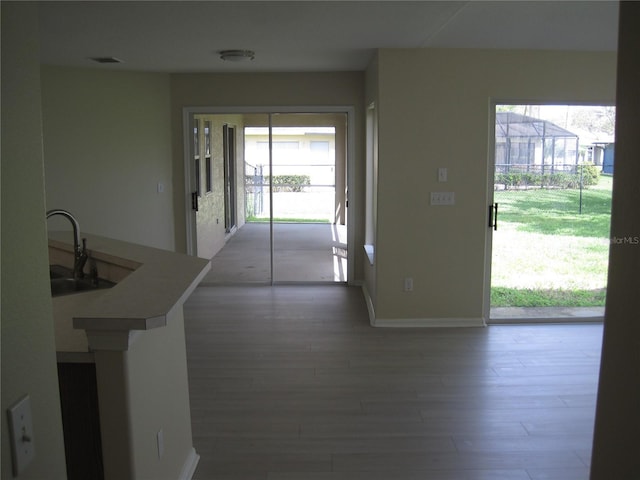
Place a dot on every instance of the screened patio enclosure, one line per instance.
(528, 144)
(299, 175)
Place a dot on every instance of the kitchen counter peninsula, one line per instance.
(134, 334)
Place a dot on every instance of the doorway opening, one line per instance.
(277, 211)
(550, 215)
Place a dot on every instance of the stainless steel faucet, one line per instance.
(79, 252)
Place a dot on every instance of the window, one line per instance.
(371, 183)
(196, 152)
(319, 146)
(207, 158)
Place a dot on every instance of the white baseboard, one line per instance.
(417, 322)
(190, 464)
(429, 322)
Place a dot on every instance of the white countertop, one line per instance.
(141, 301)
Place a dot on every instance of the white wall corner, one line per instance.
(190, 465)
(370, 307)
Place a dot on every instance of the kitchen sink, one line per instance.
(63, 283)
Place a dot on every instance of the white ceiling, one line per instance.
(185, 36)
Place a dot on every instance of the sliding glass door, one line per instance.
(272, 201)
(306, 218)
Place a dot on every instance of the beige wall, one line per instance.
(411, 83)
(434, 111)
(107, 145)
(28, 351)
(616, 445)
(141, 391)
(371, 181)
(263, 90)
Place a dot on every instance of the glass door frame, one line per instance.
(490, 200)
(189, 174)
(229, 152)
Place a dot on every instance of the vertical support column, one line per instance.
(272, 247)
(115, 421)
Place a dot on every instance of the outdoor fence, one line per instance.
(517, 177)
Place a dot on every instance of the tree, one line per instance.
(595, 119)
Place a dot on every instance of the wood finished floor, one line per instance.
(291, 383)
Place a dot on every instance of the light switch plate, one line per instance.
(442, 174)
(21, 434)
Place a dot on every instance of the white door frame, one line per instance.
(488, 257)
(491, 160)
(189, 174)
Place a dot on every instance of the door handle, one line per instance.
(493, 216)
(194, 201)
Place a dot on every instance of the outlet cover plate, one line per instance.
(443, 198)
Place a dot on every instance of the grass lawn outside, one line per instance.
(286, 220)
(547, 253)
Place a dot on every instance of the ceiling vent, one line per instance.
(106, 60)
(237, 55)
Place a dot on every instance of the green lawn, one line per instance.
(547, 253)
(286, 220)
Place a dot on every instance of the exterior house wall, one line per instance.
(210, 217)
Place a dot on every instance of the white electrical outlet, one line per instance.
(21, 430)
(408, 284)
(443, 198)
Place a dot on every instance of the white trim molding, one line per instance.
(190, 465)
(429, 322)
(417, 322)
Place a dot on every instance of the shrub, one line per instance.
(590, 173)
(289, 183)
(509, 179)
(590, 176)
(564, 180)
